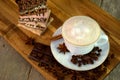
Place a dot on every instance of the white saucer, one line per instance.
(65, 59)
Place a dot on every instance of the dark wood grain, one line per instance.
(35, 75)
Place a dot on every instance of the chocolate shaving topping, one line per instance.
(34, 14)
(42, 54)
(26, 6)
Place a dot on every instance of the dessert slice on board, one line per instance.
(34, 15)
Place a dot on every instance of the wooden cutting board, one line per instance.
(61, 10)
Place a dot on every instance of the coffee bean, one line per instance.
(48, 62)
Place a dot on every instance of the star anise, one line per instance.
(43, 55)
(62, 48)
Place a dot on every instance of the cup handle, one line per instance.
(102, 40)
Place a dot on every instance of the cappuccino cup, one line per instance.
(80, 34)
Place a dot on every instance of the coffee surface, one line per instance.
(81, 30)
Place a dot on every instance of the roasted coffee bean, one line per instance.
(112, 56)
(74, 77)
(48, 62)
(98, 54)
(88, 58)
(74, 61)
(99, 50)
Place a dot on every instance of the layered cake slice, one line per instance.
(26, 6)
(34, 15)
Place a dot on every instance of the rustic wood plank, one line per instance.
(114, 75)
(25, 53)
(98, 2)
(81, 8)
(35, 75)
(12, 65)
(115, 61)
(9, 13)
(17, 39)
(112, 6)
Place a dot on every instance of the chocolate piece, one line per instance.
(48, 62)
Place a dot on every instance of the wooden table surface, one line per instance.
(14, 66)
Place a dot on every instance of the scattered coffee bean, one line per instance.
(28, 5)
(87, 58)
(112, 56)
(44, 57)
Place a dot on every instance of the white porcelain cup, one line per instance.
(80, 34)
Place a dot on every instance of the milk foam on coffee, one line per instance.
(81, 30)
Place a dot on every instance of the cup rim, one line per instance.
(64, 37)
